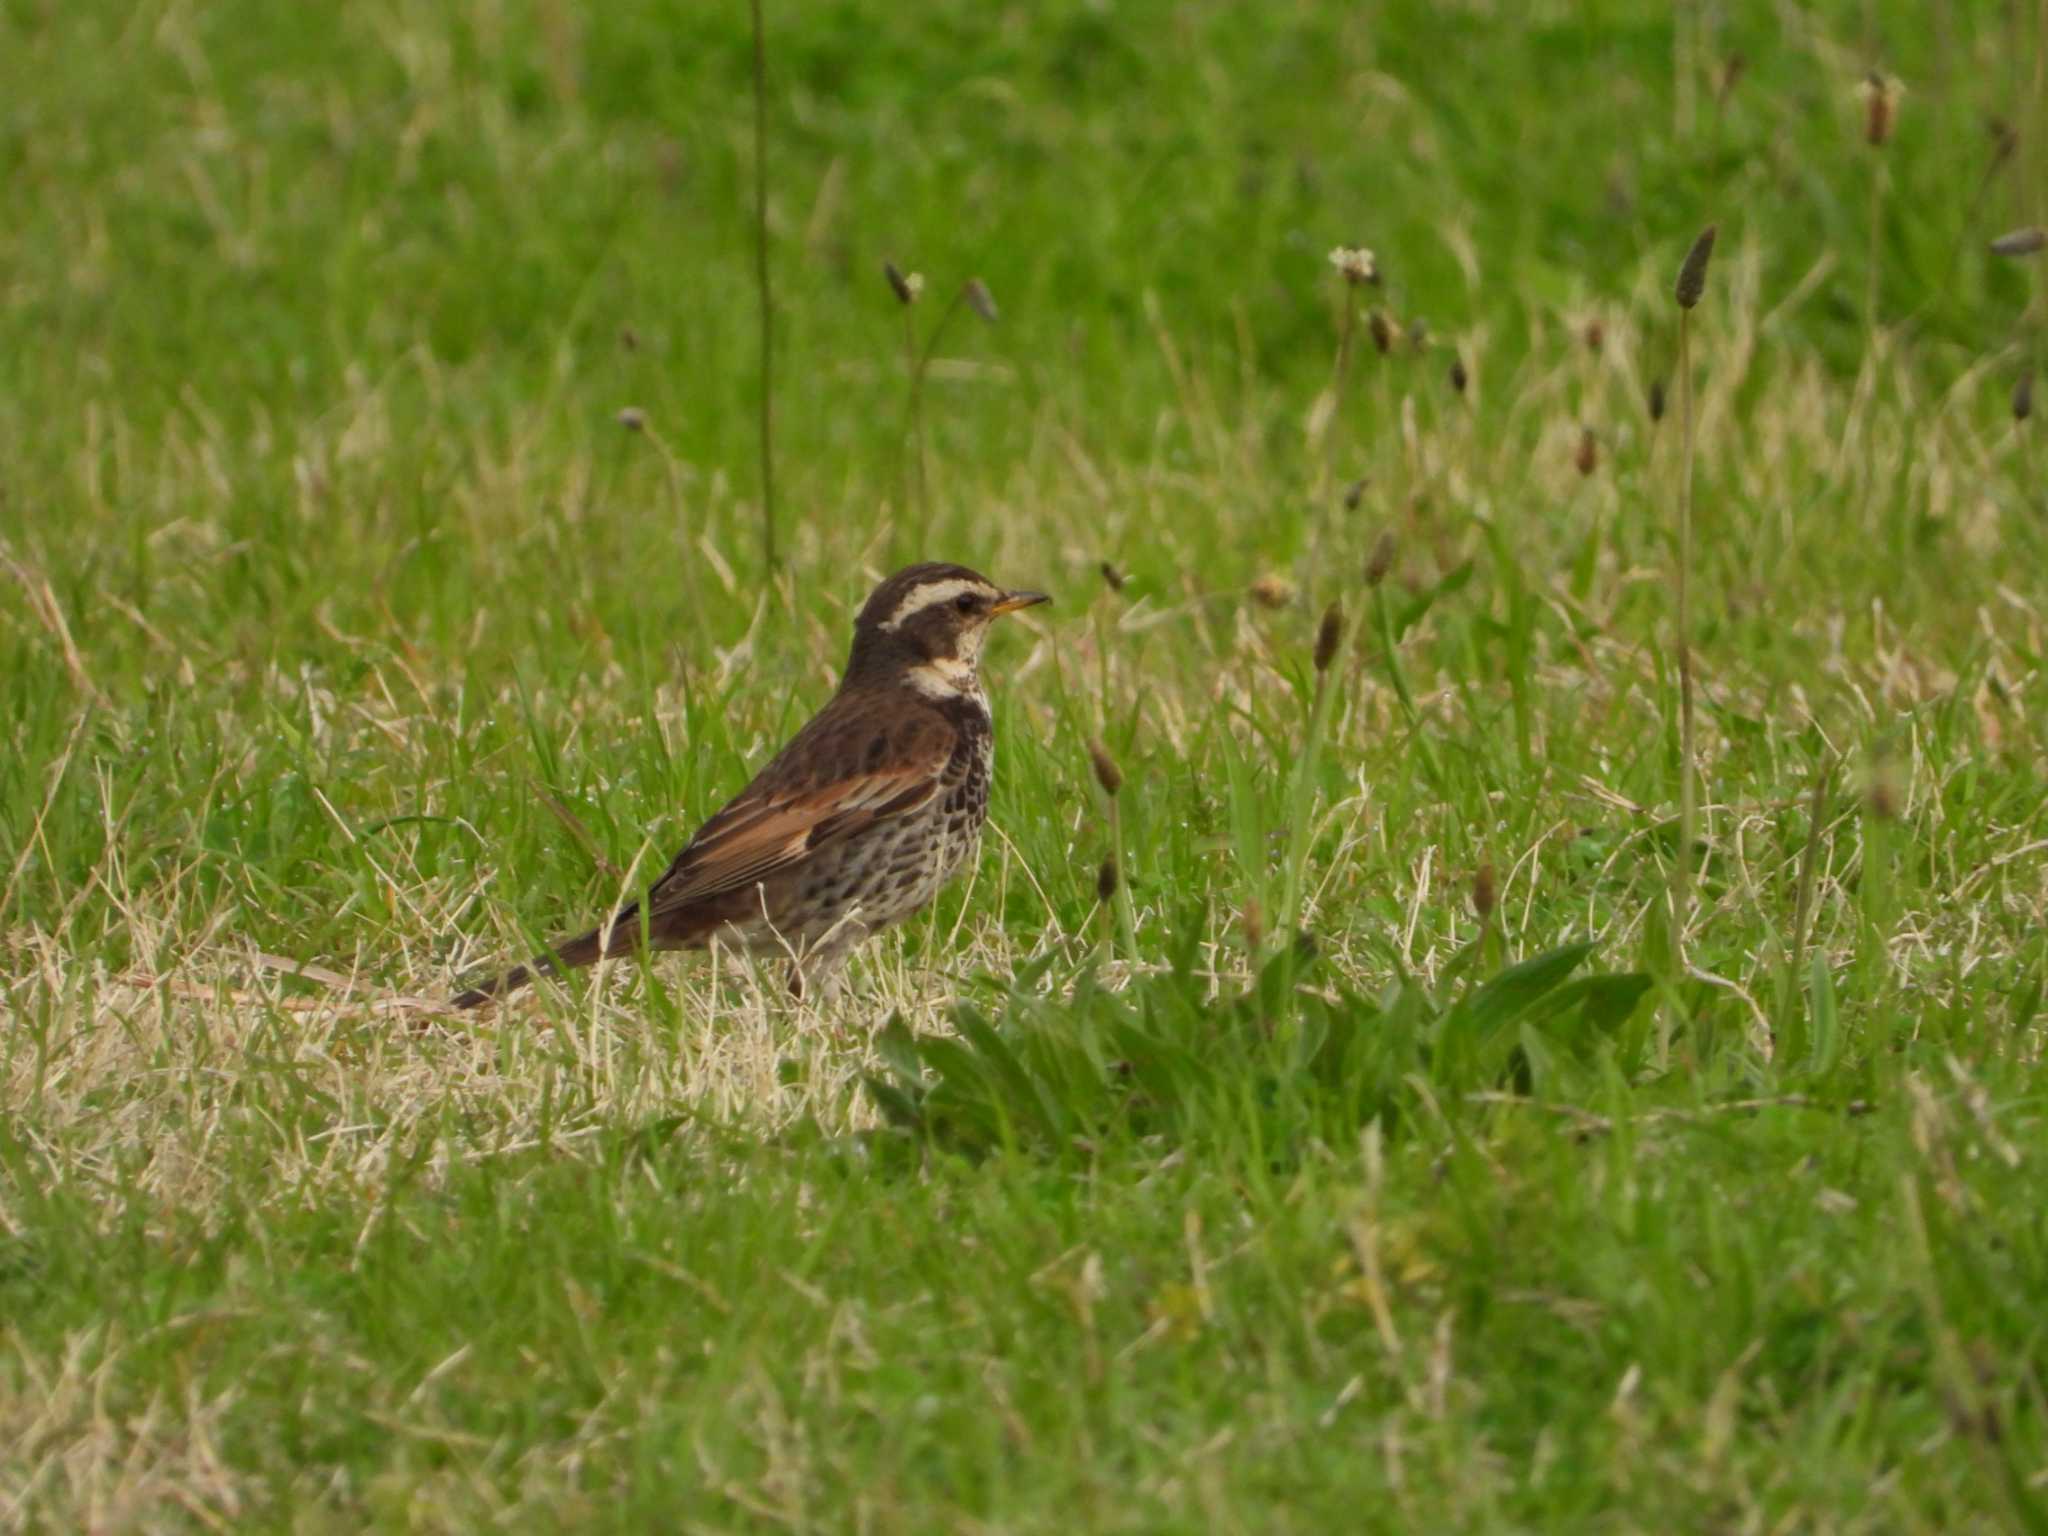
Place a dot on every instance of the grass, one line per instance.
(349, 641)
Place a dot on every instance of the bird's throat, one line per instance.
(944, 677)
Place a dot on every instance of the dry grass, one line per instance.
(329, 700)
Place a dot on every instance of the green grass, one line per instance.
(348, 641)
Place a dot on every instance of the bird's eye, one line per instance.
(967, 602)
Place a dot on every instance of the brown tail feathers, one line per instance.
(572, 954)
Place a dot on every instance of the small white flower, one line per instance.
(906, 286)
(1356, 263)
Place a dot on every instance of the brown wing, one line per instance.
(842, 773)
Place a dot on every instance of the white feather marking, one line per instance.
(931, 593)
(945, 677)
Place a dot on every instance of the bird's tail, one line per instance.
(619, 934)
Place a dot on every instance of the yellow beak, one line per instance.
(1010, 602)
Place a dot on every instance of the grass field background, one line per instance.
(381, 593)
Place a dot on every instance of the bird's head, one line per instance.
(930, 621)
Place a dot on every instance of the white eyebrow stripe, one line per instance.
(922, 597)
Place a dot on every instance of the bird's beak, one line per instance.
(1010, 602)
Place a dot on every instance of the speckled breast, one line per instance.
(896, 867)
(963, 799)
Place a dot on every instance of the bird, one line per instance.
(857, 823)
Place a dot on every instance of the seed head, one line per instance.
(629, 338)
(633, 419)
(980, 300)
(1880, 95)
(2021, 242)
(1732, 70)
(1380, 561)
(1382, 331)
(905, 285)
(1106, 880)
(2005, 140)
(1882, 796)
(1328, 633)
(1596, 336)
(1107, 774)
(1484, 894)
(1254, 922)
(1356, 263)
(1459, 378)
(1656, 400)
(1354, 493)
(1272, 591)
(2023, 395)
(1692, 272)
(1112, 577)
(1587, 459)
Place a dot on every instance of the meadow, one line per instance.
(1375, 1104)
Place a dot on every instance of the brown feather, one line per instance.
(790, 810)
(787, 813)
(859, 821)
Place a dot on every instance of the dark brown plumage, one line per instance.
(857, 823)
